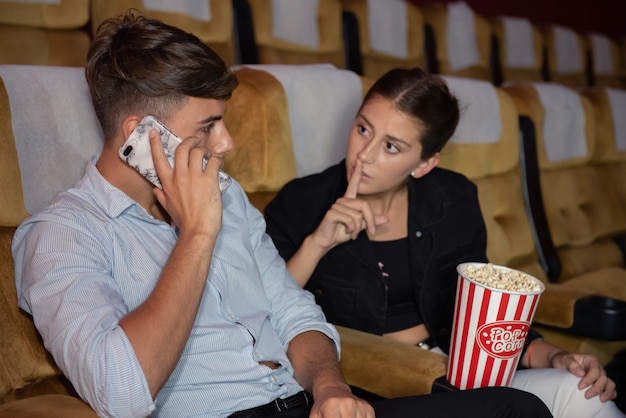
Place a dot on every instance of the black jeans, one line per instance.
(496, 402)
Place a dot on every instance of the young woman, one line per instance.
(377, 238)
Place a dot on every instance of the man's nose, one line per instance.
(224, 143)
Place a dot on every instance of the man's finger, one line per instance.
(355, 180)
(158, 153)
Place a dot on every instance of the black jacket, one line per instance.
(445, 227)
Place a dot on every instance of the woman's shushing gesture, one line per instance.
(377, 238)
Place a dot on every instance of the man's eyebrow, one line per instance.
(211, 119)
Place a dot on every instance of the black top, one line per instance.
(445, 228)
(402, 312)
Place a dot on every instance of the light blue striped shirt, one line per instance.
(94, 255)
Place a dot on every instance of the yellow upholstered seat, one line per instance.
(604, 62)
(582, 213)
(209, 20)
(491, 158)
(609, 157)
(289, 101)
(390, 36)
(579, 218)
(462, 41)
(44, 33)
(519, 49)
(622, 60)
(565, 56)
(298, 33)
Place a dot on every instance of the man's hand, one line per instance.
(190, 195)
(316, 368)
(338, 401)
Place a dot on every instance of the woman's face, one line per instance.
(387, 141)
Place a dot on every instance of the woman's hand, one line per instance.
(347, 217)
(591, 372)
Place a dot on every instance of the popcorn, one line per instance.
(501, 278)
(494, 308)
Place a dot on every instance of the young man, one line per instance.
(173, 301)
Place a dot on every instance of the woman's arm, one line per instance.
(541, 354)
(346, 218)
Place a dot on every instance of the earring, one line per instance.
(413, 173)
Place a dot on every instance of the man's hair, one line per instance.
(426, 98)
(137, 65)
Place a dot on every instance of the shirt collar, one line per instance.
(112, 200)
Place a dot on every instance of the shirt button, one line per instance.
(257, 355)
(418, 234)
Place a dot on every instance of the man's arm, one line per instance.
(316, 368)
(159, 328)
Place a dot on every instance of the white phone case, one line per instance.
(136, 151)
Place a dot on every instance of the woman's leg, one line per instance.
(495, 402)
(558, 389)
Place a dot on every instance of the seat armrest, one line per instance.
(386, 367)
(51, 406)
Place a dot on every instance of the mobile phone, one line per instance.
(136, 151)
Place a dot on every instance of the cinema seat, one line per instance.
(44, 33)
(517, 53)
(391, 34)
(609, 157)
(486, 148)
(565, 56)
(292, 33)
(209, 20)
(580, 219)
(458, 41)
(603, 61)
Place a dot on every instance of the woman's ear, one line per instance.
(425, 166)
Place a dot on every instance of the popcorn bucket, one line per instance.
(492, 317)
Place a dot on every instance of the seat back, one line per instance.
(300, 125)
(46, 113)
(517, 50)
(621, 43)
(609, 157)
(485, 147)
(490, 156)
(459, 39)
(565, 56)
(44, 33)
(210, 20)
(582, 213)
(304, 32)
(391, 34)
(603, 62)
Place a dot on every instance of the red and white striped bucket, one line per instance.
(489, 331)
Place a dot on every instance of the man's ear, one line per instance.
(425, 166)
(129, 124)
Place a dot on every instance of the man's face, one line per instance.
(203, 119)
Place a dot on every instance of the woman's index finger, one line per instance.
(355, 180)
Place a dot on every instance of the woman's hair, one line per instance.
(143, 66)
(426, 98)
